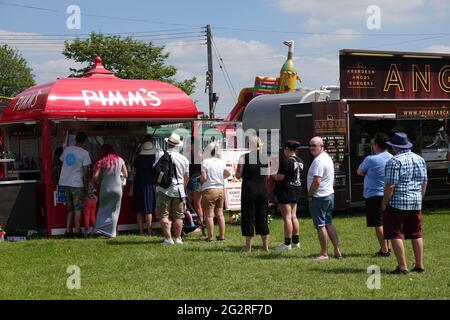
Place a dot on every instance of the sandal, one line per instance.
(219, 239)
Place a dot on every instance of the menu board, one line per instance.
(335, 146)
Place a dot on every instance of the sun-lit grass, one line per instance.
(136, 267)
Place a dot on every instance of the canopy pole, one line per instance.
(46, 174)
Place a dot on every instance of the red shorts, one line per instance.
(402, 224)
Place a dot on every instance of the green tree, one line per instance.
(126, 57)
(15, 75)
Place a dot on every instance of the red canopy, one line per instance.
(101, 95)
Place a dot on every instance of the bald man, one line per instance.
(321, 197)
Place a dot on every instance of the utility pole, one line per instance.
(209, 73)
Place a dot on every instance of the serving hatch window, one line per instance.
(430, 137)
(21, 150)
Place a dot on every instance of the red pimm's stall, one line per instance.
(41, 118)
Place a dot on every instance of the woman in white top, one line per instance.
(213, 172)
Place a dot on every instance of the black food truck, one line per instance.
(380, 91)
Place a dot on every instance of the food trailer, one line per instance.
(380, 91)
(44, 117)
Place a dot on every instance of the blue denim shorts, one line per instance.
(194, 184)
(320, 209)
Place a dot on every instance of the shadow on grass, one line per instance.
(197, 240)
(272, 255)
(132, 242)
(257, 253)
(346, 255)
(342, 270)
(216, 246)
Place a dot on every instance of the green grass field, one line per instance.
(136, 267)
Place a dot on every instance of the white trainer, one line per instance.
(296, 245)
(283, 247)
(167, 242)
(179, 241)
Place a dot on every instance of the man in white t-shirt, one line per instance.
(74, 177)
(321, 197)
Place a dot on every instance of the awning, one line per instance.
(375, 116)
(101, 95)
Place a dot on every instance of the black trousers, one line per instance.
(254, 210)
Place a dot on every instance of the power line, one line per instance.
(52, 48)
(329, 33)
(326, 53)
(97, 15)
(221, 63)
(176, 35)
(163, 31)
(227, 81)
(340, 34)
(57, 43)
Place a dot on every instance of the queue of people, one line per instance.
(394, 186)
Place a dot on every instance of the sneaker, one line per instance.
(68, 235)
(78, 235)
(295, 245)
(417, 269)
(399, 271)
(383, 254)
(283, 247)
(167, 242)
(178, 241)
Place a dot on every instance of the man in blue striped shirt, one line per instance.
(405, 186)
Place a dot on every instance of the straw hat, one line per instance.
(147, 148)
(174, 140)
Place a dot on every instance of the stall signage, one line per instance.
(423, 113)
(233, 196)
(28, 101)
(59, 195)
(108, 98)
(329, 124)
(232, 185)
(394, 76)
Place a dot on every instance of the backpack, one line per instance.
(163, 171)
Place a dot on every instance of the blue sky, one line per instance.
(248, 34)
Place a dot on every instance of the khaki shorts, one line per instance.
(169, 206)
(212, 199)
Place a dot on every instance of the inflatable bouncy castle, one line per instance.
(286, 82)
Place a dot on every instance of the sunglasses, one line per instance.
(314, 145)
